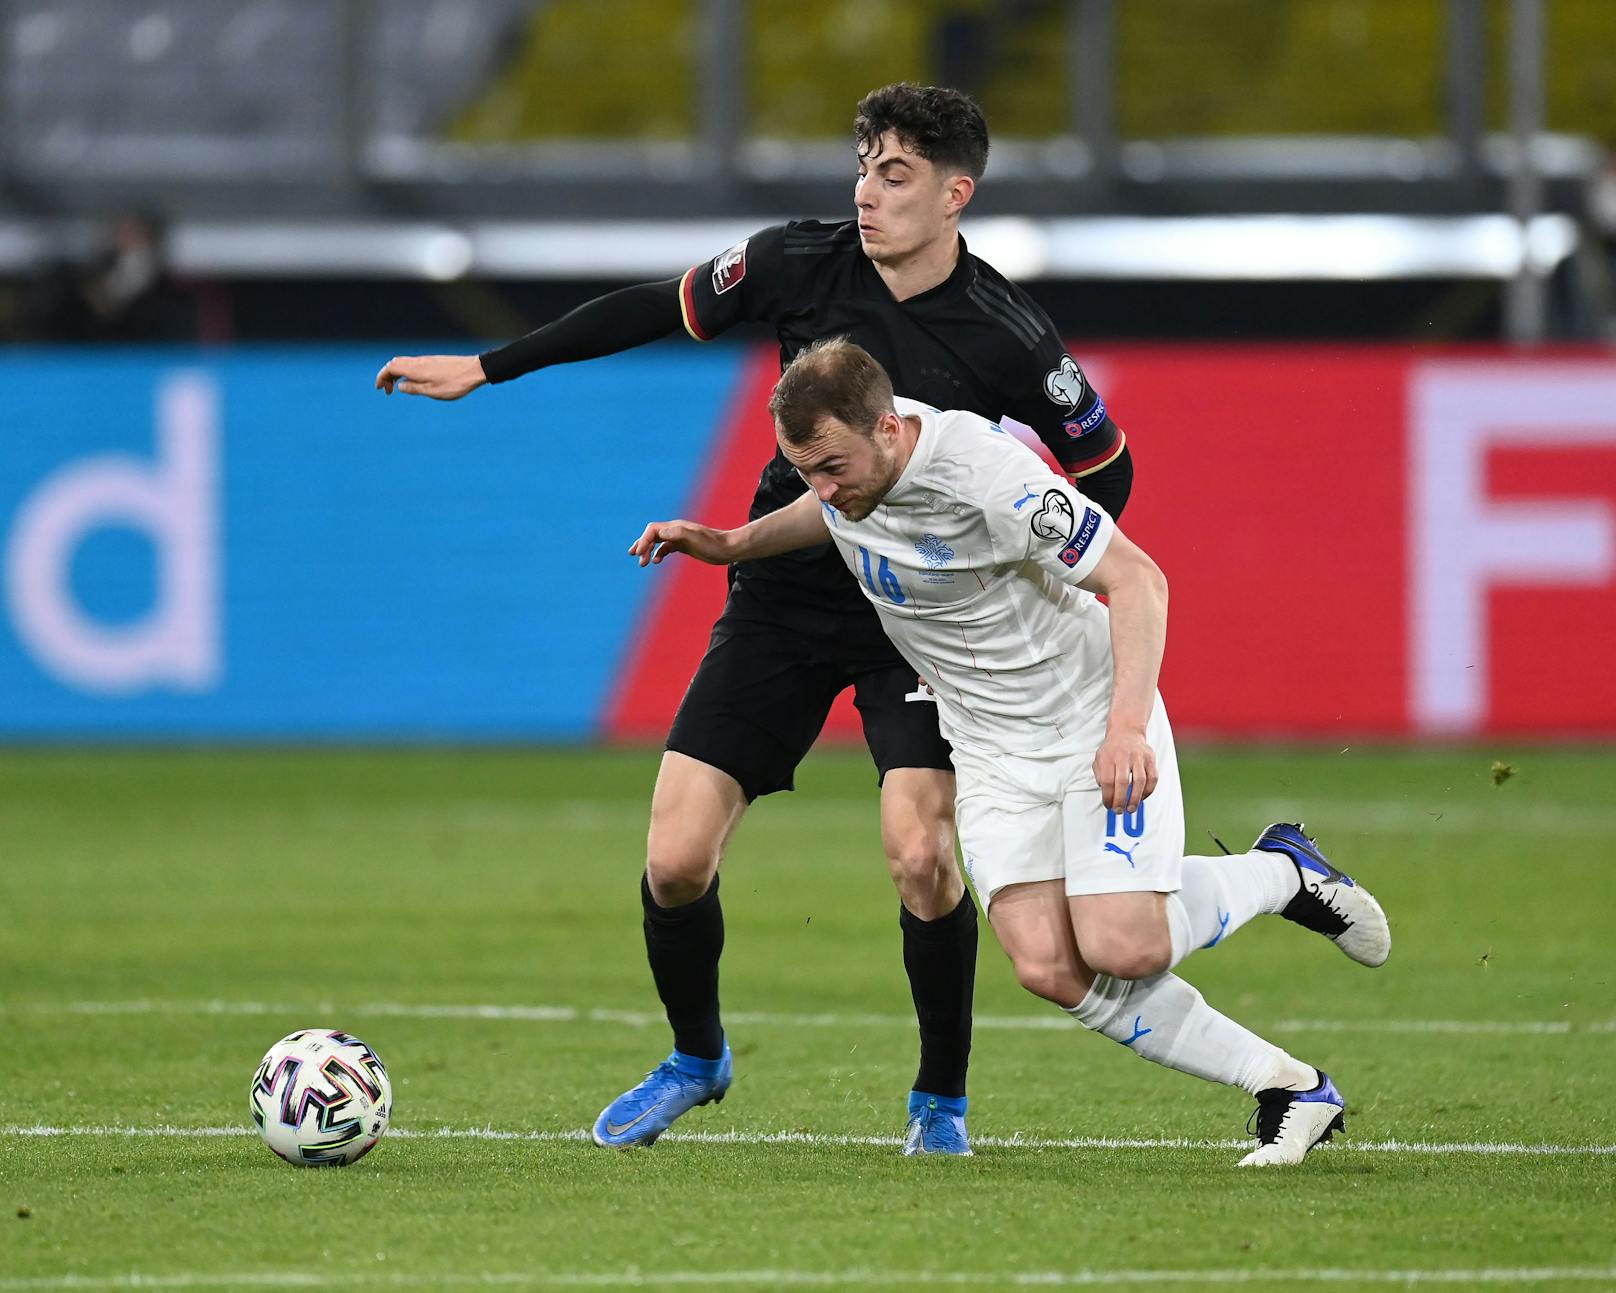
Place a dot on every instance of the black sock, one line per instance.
(940, 956)
(683, 945)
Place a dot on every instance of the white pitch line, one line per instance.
(857, 1277)
(1054, 1021)
(827, 1139)
(1518, 1027)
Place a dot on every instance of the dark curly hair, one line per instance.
(944, 126)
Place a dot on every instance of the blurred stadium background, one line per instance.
(1342, 269)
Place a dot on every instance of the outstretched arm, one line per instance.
(617, 321)
(1136, 591)
(798, 525)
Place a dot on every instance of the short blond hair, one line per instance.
(831, 378)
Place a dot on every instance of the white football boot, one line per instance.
(1290, 1123)
(1330, 902)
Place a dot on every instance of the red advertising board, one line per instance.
(1363, 541)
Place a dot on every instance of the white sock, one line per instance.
(1220, 894)
(1165, 1020)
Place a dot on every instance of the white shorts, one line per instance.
(1023, 818)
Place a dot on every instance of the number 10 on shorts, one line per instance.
(1133, 824)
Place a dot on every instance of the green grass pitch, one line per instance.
(165, 916)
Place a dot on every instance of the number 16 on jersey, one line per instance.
(890, 588)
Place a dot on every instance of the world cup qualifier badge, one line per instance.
(1054, 519)
(730, 268)
(1064, 384)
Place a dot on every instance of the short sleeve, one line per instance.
(1034, 515)
(739, 285)
(1053, 396)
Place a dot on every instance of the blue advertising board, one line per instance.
(256, 544)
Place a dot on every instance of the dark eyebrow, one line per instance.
(890, 161)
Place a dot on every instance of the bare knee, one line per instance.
(1128, 955)
(694, 809)
(679, 871)
(925, 874)
(678, 878)
(1052, 980)
(917, 832)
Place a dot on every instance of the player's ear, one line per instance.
(959, 192)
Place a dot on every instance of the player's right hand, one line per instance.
(1125, 770)
(440, 377)
(699, 541)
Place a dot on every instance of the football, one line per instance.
(321, 1098)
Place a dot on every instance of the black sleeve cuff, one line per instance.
(1111, 484)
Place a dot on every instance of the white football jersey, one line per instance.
(972, 561)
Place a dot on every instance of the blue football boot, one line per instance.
(1290, 1123)
(1329, 901)
(673, 1087)
(936, 1125)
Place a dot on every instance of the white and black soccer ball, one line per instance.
(321, 1098)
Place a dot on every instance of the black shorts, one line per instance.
(763, 690)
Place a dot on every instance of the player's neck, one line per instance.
(908, 441)
(903, 449)
(910, 437)
(921, 270)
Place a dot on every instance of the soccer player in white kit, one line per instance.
(984, 567)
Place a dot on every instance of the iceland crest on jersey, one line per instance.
(934, 552)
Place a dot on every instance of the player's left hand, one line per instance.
(663, 537)
(1125, 768)
(439, 377)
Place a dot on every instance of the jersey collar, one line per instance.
(963, 273)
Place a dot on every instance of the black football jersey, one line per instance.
(975, 342)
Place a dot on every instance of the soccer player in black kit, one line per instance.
(952, 332)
